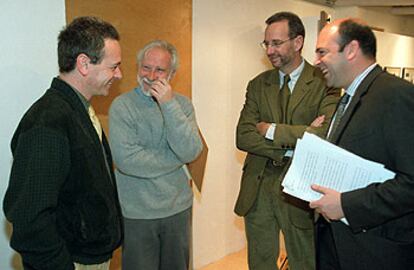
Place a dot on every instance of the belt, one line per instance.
(278, 163)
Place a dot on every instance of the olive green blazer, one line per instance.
(310, 99)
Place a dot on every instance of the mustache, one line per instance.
(148, 81)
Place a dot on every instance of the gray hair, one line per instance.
(163, 45)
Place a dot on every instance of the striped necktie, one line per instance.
(284, 96)
(338, 115)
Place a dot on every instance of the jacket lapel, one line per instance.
(271, 92)
(80, 110)
(300, 90)
(360, 92)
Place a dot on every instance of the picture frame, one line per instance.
(396, 71)
(408, 74)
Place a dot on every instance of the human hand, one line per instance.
(161, 90)
(318, 121)
(329, 206)
(262, 128)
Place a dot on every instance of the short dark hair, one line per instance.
(296, 27)
(83, 35)
(350, 30)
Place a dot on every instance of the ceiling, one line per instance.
(395, 7)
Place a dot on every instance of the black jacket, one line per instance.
(379, 125)
(61, 199)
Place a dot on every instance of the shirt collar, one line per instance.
(84, 101)
(294, 75)
(357, 81)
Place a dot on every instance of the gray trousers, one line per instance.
(157, 244)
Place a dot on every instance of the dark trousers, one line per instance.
(157, 244)
(326, 255)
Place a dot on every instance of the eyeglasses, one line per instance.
(274, 43)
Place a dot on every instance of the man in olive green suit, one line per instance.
(281, 104)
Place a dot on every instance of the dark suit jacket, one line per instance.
(61, 199)
(379, 125)
(310, 98)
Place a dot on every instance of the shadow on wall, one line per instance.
(15, 260)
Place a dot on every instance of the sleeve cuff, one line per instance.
(270, 133)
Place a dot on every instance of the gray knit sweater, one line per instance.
(150, 144)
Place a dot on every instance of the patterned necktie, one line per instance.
(95, 122)
(284, 96)
(338, 115)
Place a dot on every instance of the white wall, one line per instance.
(226, 55)
(28, 61)
(395, 50)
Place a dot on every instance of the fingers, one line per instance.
(317, 207)
(319, 189)
(316, 204)
(326, 218)
(161, 90)
(318, 121)
(262, 128)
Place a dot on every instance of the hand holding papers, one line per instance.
(317, 161)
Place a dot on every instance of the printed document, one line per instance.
(320, 162)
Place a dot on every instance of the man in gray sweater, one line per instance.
(153, 134)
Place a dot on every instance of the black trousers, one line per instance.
(326, 255)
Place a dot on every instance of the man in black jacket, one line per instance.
(62, 199)
(370, 227)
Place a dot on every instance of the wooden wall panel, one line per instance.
(139, 22)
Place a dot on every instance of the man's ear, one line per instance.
(298, 41)
(352, 49)
(82, 64)
(171, 76)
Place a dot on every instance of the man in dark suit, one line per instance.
(275, 114)
(378, 124)
(62, 199)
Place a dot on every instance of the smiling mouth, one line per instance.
(148, 81)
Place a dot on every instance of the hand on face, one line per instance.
(161, 90)
(154, 74)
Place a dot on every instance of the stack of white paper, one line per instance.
(317, 161)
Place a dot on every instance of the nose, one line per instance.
(151, 75)
(317, 61)
(118, 73)
(270, 50)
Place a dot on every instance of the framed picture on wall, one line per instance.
(408, 74)
(394, 71)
